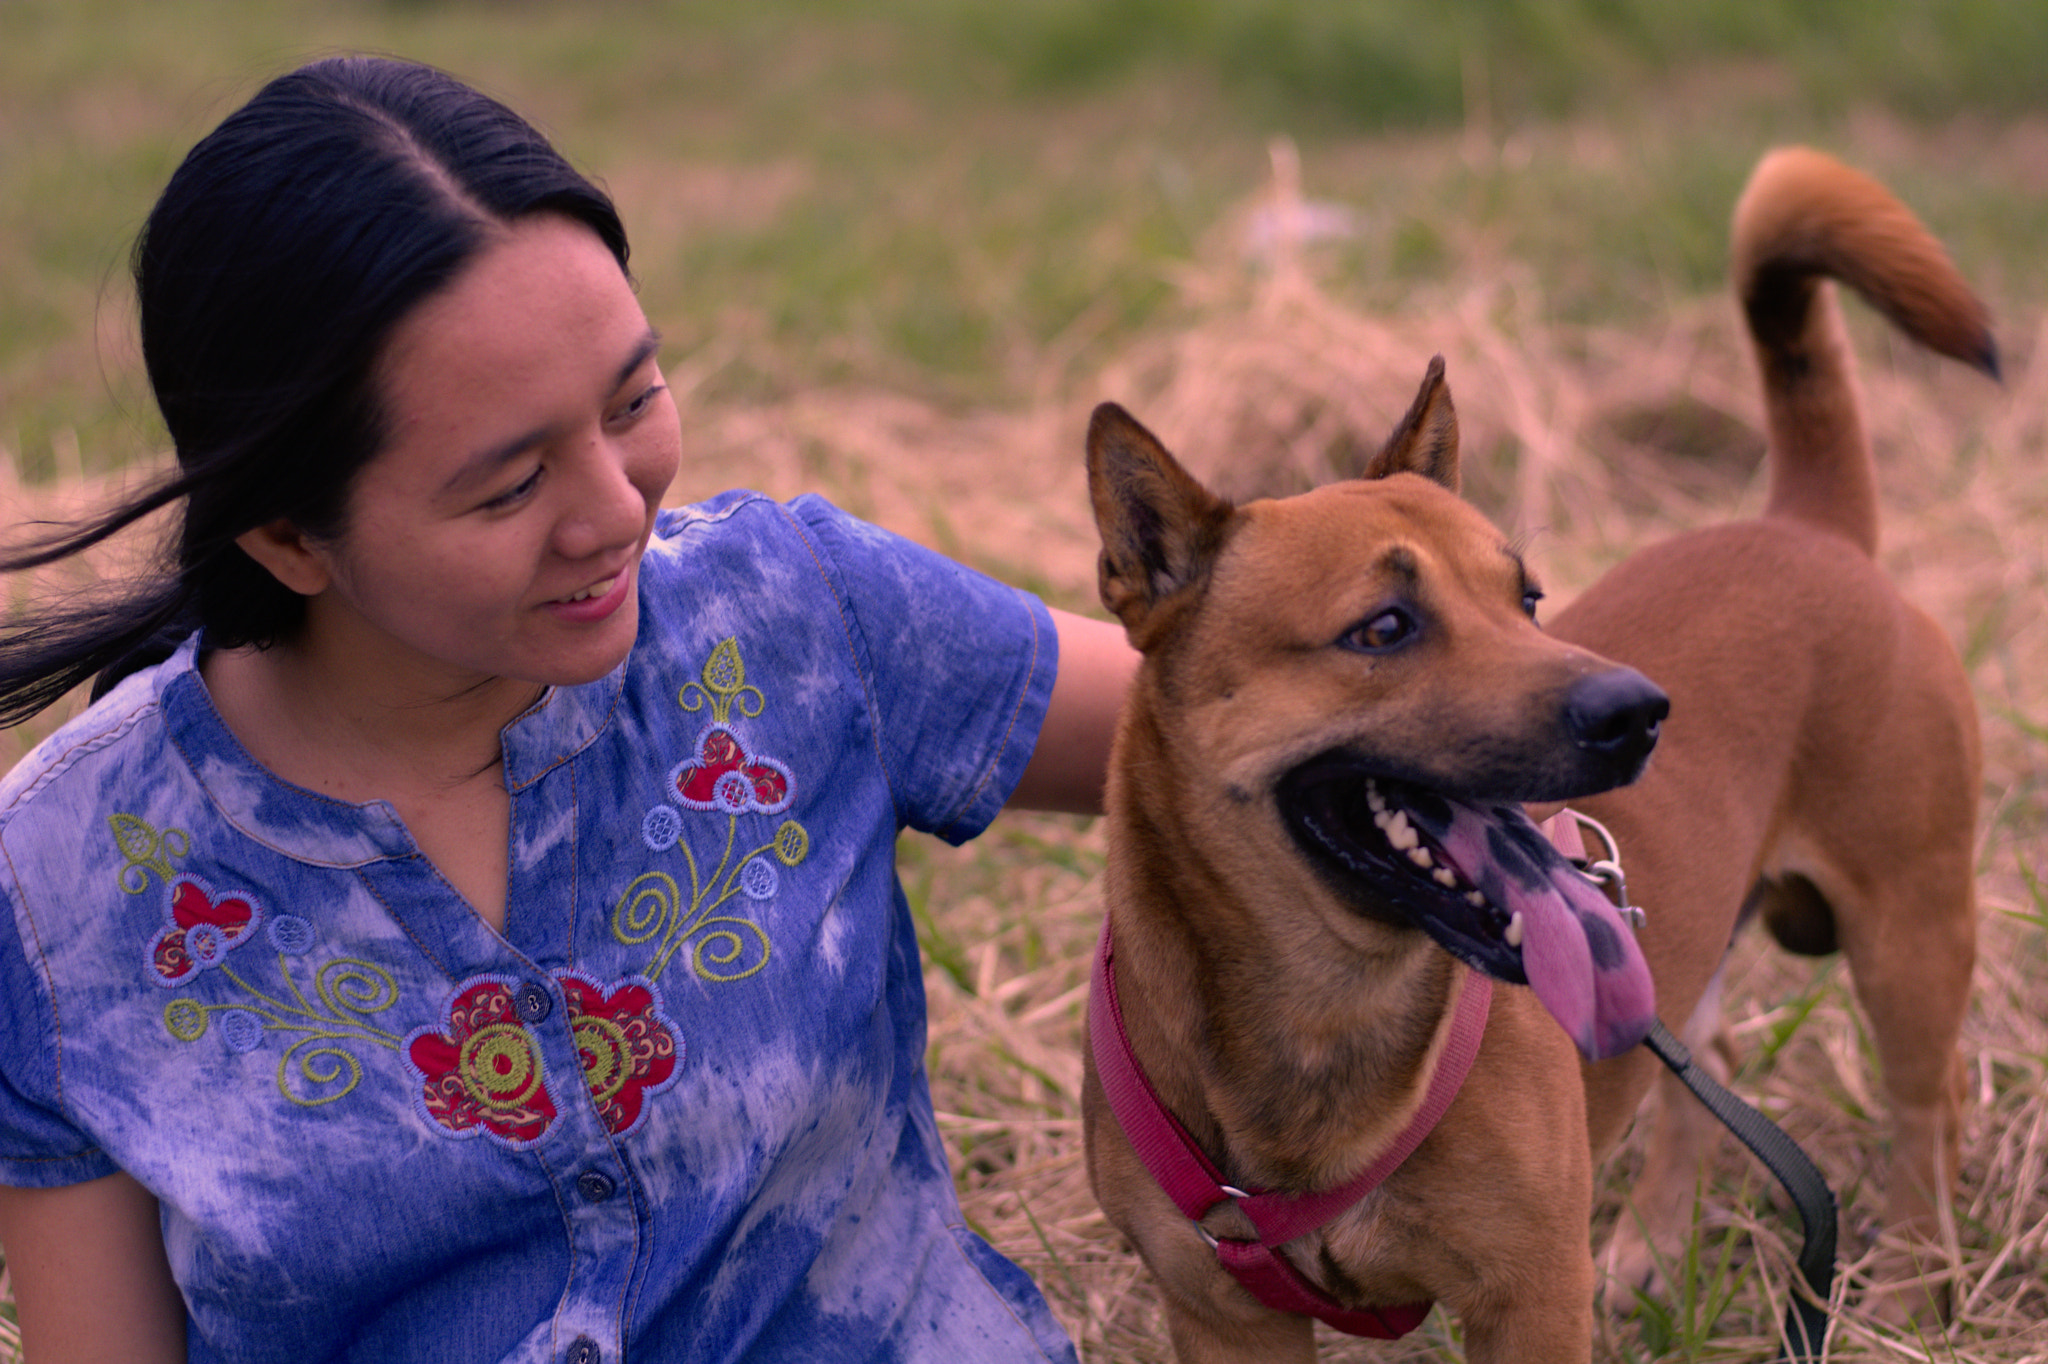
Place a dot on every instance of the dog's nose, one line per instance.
(1616, 714)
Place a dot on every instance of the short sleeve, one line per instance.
(959, 668)
(39, 1148)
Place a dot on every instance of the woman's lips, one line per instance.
(597, 601)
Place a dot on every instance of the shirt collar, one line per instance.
(319, 829)
(554, 729)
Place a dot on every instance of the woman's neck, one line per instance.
(361, 737)
(437, 760)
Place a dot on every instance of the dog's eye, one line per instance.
(1382, 632)
(1530, 596)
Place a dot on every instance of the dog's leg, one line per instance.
(1551, 1324)
(1681, 1136)
(1268, 1338)
(1210, 1317)
(1912, 976)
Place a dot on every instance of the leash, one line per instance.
(1187, 1176)
(1806, 1319)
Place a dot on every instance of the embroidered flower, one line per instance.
(185, 1020)
(201, 929)
(627, 1045)
(733, 792)
(481, 1074)
(759, 879)
(241, 1030)
(291, 935)
(145, 849)
(661, 828)
(726, 778)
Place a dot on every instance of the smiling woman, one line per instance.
(470, 563)
(466, 926)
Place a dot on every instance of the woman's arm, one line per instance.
(91, 1283)
(1067, 767)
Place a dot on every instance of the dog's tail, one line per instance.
(1803, 219)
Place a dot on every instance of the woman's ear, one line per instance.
(286, 553)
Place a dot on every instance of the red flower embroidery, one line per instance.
(627, 1045)
(482, 1075)
(202, 929)
(723, 776)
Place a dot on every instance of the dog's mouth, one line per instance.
(1484, 882)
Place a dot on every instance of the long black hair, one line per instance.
(270, 274)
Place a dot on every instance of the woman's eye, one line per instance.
(641, 402)
(1530, 596)
(514, 495)
(1382, 632)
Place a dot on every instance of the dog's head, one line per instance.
(1352, 683)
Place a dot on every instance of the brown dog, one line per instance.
(1336, 682)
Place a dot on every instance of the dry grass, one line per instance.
(1590, 442)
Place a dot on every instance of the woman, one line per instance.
(466, 926)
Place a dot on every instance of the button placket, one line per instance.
(533, 1002)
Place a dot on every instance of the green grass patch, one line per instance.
(937, 195)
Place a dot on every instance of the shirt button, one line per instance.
(584, 1351)
(595, 1185)
(533, 1002)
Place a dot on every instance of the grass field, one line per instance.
(898, 251)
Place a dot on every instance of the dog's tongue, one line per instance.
(1580, 955)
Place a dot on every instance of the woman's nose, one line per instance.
(604, 510)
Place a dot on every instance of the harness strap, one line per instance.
(1188, 1177)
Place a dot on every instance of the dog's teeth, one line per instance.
(1399, 834)
(1514, 930)
(1444, 876)
(1475, 899)
(1374, 799)
(1421, 858)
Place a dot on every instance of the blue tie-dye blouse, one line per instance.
(677, 1111)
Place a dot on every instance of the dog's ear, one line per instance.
(1426, 441)
(1160, 527)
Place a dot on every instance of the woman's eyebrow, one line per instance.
(492, 457)
(643, 351)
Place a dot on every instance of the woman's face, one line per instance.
(529, 438)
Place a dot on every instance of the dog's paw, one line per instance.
(1629, 1271)
(1905, 1284)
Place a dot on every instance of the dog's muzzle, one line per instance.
(1485, 883)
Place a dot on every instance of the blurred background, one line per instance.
(969, 201)
(899, 248)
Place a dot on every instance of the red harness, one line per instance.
(1194, 1184)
